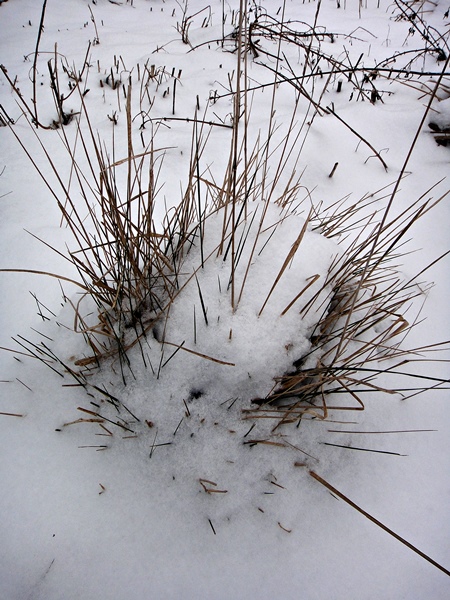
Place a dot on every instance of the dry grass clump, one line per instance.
(365, 321)
(131, 267)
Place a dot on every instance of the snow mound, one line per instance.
(190, 380)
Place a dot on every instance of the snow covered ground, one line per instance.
(140, 519)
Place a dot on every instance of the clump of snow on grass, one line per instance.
(257, 341)
(441, 114)
(191, 379)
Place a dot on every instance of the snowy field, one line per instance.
(191, 496)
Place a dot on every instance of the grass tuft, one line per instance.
(133, 267)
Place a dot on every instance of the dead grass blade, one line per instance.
(340, 495)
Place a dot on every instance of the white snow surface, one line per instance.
(134, 519)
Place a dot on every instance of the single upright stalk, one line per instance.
(266, 158)
(36, 52)
(235, 151)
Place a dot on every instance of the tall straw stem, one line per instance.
(265, 162)
(235, 151)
